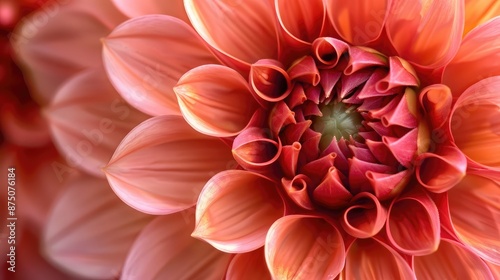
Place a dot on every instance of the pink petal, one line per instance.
(61, 39)
(452, 260)
(475, 215)
(249, 266)
(288, 159)
(358, 22)
(404, 148)
(297, 190)
(88, 119)
(385, 186)
(161, 166)
(215, 100)
(478, 49)
(331, 191)
(369, 259)
(401, 74)
(475, 123)
(302, 21)
(304, 247)
(426, 33)
(90, 230)
(244, 21)
(413, 224)
(141, 68)
(235, 210)
(166, 250)
(365, 218)
(133, 8)
(439, 171)
(478, 12)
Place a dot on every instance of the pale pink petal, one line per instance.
(478, 49)
(249, 266)
(90, 230)
(413, 225)
(370, 259)
(451, 261)
(474, 207)
(475, 123)
(304, 247)
(161, 166)
(232, 28)
(146, 56)
(134, 8)
(215, 100)
(165, 250)
(426, 33)
(61, 39)
(478, 12)
(235, 210)
(358, 22)
(88, 119)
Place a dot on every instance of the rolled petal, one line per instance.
(365, 218)
(475, 214)
(441, 170)
(61, 39)
(90, 231)
(465, 264)
(133, 8)
(235, 210)
(166, 250)
(369, 259)
(404, 148)
(249, 266)
(331, 191)
(436, 101)
(328, 51)
(88, 119)
(215, 100)
(475, 123)
(413, 224)
(304, 247)
(305, 71)
(269, 80)
(302, 21)
(141, 68)
(426, 33)
(297, 190)
(358, 22)
(386, 186)
(244, 21)
(478, 12)
(478, 49)
(161, 166)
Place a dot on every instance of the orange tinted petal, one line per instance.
(161, 166)
(304, 247)
(134, 8)
(301, 20)
(235, 210)
(478, 12)
(146, 56)
(249, 266)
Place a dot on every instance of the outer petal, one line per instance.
(473, 61)
(215, 100)
(303, 21)
(370, 259)
(162, 165)
(478, 12)
(451, 261)
(166, 250)
(61, 39)
(359, 21)
(304, 247)
(427, 32)
(475, 215)
(134, 8)
(90, 230)
(88, 119)
(146, 56)
(475, 123)
(249, 266)
(235, 210)
(242, 23)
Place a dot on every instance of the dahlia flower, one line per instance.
(294, 140)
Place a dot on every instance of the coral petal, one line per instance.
(249, 266)
(404, 148)
(328, 51)
(331, 191)
(161, 166)
(304, 247)
(215, 100)
(365, 218)
(426, 33)
(133, 8)
(301, 20)
(436, 101)
(253, 149)
(478, 12)
(289, 158)
(165, 249)
(386, 186)
(297, 190)
(140, 68)
(235, 210)
(269, 80)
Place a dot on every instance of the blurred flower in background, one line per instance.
(291, 139)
